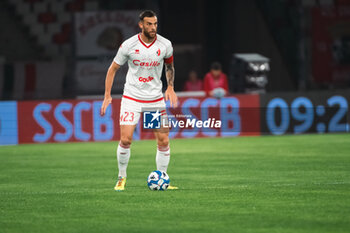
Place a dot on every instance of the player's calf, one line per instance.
(123, 156)
(163, 157)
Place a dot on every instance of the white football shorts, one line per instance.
(131, 110)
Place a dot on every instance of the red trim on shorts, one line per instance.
(147, 46)
(142, 101)
(169, 59)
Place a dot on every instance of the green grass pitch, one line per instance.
(245, 184)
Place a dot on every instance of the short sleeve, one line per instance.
(122, 55)
(168, 58)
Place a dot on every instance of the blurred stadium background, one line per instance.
(286, 54)
(288, 68)
(307, 42)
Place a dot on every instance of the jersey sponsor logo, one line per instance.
(147, 64)
(158, 52)
(146, 80)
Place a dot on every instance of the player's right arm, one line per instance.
(113, 68)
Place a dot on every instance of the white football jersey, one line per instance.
(143, 80)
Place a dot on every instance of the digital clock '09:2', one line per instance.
(303, 116)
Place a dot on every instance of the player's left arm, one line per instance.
(170, 76)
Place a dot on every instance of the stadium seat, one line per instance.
(309, 3)
(29, 19)
(22, 9)
(63, 36)
(60, 38)
(50, 21)
(342, 2)
(44, 39)
(37, 29)
(15, 2)
(57, 7)
(91, 6)
(32, 1)
(66, 49)
(66, 28)
(75, 6)
(64, 17)
(64, 2)
(326, 2)
(52, 50)
(53, 28)
(47, 17)
(40, 7)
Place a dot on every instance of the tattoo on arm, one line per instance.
(170, 74)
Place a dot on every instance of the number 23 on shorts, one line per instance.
(127, 117)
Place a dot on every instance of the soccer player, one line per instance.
(145, 53)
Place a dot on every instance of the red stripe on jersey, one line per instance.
(169, 60)
(147, 46)
(142, 101)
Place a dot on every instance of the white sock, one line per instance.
(163, 158)
(123, 155)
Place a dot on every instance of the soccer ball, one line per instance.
(158, 180)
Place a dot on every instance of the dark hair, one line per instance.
(215, 66)
(147, 13)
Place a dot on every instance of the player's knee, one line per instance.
(125, 140)
(163, 141)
